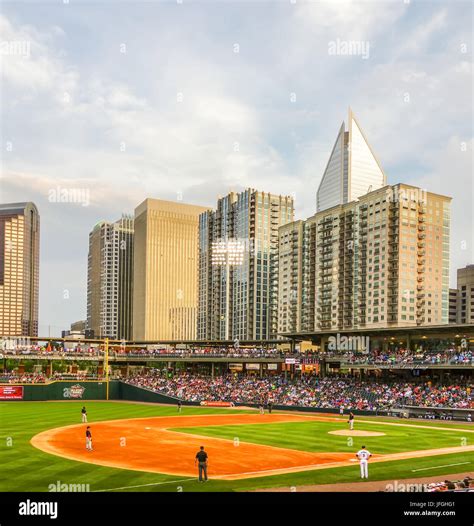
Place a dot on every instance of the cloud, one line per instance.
(180, 113)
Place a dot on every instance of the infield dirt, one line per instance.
(148, 444)
(151, 445)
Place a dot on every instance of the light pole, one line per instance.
(227, 252)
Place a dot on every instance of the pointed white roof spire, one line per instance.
(352, 170)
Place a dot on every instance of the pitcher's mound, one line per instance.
(356, 433)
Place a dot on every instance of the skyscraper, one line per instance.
(238, 266)
(381, 261)
(19, 269)
(165, 270)
(110, 279)
(352, 170)
(465, 298)
(290, 282)
(453, 305)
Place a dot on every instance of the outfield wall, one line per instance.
(118, 390)
(139, 394)
(67, 390)
(90, 390)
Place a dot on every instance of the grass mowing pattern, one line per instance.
(25, 468)
(313, 436)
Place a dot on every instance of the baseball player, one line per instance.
(363, 455)
(351, 420)
(84, 415)
(88, 439)
(179, 406)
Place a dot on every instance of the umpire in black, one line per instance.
(201, 460)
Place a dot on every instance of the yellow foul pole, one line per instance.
(106, 365)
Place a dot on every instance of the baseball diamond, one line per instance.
(151, 447)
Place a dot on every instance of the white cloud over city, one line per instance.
(196, 99)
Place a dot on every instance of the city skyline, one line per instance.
(266, 120)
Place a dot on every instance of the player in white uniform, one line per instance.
(363, 455)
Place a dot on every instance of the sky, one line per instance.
(114, 102)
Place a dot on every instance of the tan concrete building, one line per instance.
(165, 284)
(19, 269)
(381, 261)
(453, 305)
(465, 299)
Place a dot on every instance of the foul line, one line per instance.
(143, 485)
(436, 467)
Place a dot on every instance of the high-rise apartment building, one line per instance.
(290, 282)
(465, 285)
(352, 170)
(238, 266)
(381, 261)
(19, 269)
(110, 279)
(165, 270)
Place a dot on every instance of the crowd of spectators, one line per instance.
(397, 357)
(40, 378)
(310, 391)
(59, 350)
(464, 485)
(407, 357)
(24, 378)
(207, 352)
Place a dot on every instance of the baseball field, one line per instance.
(146, 447)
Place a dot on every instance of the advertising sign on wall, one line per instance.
(11, 392)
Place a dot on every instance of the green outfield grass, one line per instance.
(25, 468)
(313, 436)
